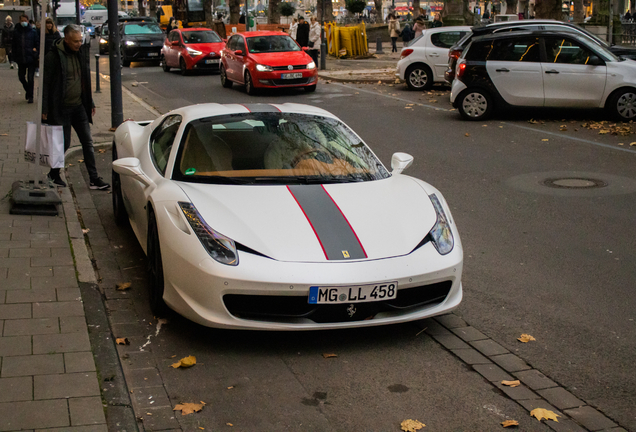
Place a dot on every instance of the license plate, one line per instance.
(211, 61)
(291, 75)
(153, 54)
(353, 293)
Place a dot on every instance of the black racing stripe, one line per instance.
(261, 108)
(331, 227)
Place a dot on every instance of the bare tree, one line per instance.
(579, 11)
(511, 6)
(209, 16)
(416, 8)
(328, 11)
(548, 9)
(235, 11)
(273, 12)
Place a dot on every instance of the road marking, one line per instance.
(392, 97)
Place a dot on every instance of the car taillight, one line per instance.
(406, 53)
(460, 69)
(454, 54)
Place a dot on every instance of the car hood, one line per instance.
(145, 38)
(379, 219)
(283, 58)
(207, 47)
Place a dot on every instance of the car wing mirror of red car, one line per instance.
(305, 48)
(238, 52)
(175, 43)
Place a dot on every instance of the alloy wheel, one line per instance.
(626, 105)
(475, 105)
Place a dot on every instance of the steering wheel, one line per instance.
(301, 156)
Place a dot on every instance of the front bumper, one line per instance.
(141, 53)
(275, 79)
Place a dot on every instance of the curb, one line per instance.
(326, 76)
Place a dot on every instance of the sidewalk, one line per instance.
(380, 67)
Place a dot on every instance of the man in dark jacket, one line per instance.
(7, 38)
(26, 53)
(302, 33)
(67, 99)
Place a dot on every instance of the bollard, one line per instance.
(378, 49)
(97, 89)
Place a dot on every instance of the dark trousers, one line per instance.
(313, 53)
(26, 72)
(76, 118)
(393, 44)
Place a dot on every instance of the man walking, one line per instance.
(67, 99)
(25, 53)
(7, 38)
(302, 32)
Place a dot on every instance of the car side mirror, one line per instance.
(175, 43)
(131, 167)
(399, 162)
(305, 49)
(238, 52)
(595, 60)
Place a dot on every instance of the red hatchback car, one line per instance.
(266, 59)
(192, 48)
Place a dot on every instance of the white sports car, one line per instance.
(279, 217)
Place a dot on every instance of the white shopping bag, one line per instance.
(51, 148)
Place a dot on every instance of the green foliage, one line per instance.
(286, 9)
(355, 6)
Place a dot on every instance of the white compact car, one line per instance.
(279, 217)
(425, 60)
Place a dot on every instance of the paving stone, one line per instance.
(92, 428)
(68, 294)
(30, 252)
(3, 295)
(122, 317)
(510, 362)
(489, 347)
(535, 379)
(161, 419)
(15, 311)
(451, 341)
(451, 321)
(116, 305)
(61, 343)
(590, 418)
(53, 260)
(128, 330)
(10, 244)
(21, 327)
(58, 309)
(31, 296)
(64, 281)
(49, 243)
(470, 356)
(517, 393)
(32, 365)
(16, 283)
(15, 345)
(16, 389)
(138, 360)
(149, 377)
(15, 263)
(79, 362)
(30, 271)
(65, 385)
(86, 411)
(563, 425)
(492, 372)
(142, 398)
(616, 429)
(560, 398)
(33, 414)
(469, 334)
(72, 324)
(1, 326)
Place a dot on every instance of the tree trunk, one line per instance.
(548, 9)
(511, 6)
(209, 16)
(579, 11)
(328, 11)
(235, 11)
(273, 12)
(378, 10)
(416, 9)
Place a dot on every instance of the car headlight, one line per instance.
(103, 41)
(311, 65)
(263, 68)
(130, 43)
(194, 52)
(441, 234)
(221, 248)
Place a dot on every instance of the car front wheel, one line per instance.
(419, 77)
(475, 105)
(224, 81)
(164, 65)
(623, 105)
(183, 67)
(155, 269)
(249, 85)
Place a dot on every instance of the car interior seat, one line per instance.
(205, 152)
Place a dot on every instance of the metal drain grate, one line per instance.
(574, 183)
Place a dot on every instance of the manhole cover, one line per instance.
(574, 183)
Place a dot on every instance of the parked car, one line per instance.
(270, 217)
(90, 29)
(140, 41)
(425, 60)
(542, 69)
(192, 48)
(266, 59)
(529, 25)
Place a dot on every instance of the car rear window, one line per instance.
(446, 39)
(264, 44)
(194, 37)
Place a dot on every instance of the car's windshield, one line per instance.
(142, 28)
(195, 37)
(264, 44)
(274, 148)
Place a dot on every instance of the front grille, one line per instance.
(202, 65)
(284, 68)
(279, 308)
(295, 81)
(142, 54)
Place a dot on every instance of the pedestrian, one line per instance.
(419, 26)
(7, 38)
(51, 35)
(628, 16)
(302, 33)
(437, 22)
(171, 25)
(293, 28)
(314, 39)
(25, 53)
(394, 31)
(242, 19)
(67, 99)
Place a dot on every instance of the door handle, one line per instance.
(552, 71)
(434, 55)
(502, 70)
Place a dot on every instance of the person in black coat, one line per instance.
(7, 38)
(302, 33)
(51, 35)
(26, 54)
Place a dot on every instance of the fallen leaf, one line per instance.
(407, 107)
(185, 362)
(545, 139)
(123, 286)
(201, 428)
(229, 424)
(379, 82)
(542, 413)
(514, 383)
(533, 121)
(101, 151)
(173, 356)
(603, 132)
(500, 127)
(411, 425)
(433, 100)
(86, 231)
(467, 134)
(230, 387)
(509, 423)
(484, 125)
(4, 134)
(122, 341)
(632, 144)
(326, 355)
(525, 338)
(189, 408)
(80, 160)
(621, 144)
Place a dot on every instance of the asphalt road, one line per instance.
(554, 263)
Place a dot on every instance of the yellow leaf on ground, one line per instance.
(327, 355)
(80, 160)
(603, 131)
(230, 387)
(525, 338)
(185, 362)
(123, 286)
(545, 139)
(189, 408)
(229, 424)
(122, 341)
(467, 134)
(411, 425)
(632, 144)
(201, 428)
(86, 231)
(514, 383)
(542, 413)
(509, 423)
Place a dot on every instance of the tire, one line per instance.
(225, 82)
(165, 67)
(155, 269)
(119, 210)
(183, 67)
(622, 105)
(310, 89)
(249, 84)
(419, 77)
(475, 104)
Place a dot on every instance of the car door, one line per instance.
(573, 75)
(514, 66)
(239, 59)
(437, 45)
(230, 58)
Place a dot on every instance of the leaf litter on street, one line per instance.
(514, 383)
(123, 286)
(185, 362)
(542, 413)
(509, 423)
(189, 408)
(410, 425)
(525, 338)
(329, 355)
(122, 341)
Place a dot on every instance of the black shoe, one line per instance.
(98, 183)
(57, 180)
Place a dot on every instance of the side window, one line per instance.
(231, 45)
(173, 36)
(162, 139)
(446, 39)
(521, 49)
(561, 50)
(240, 44)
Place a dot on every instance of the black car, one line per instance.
(140, 41)
(103, 30)
(528, 25)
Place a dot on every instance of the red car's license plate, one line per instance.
(291, 75)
